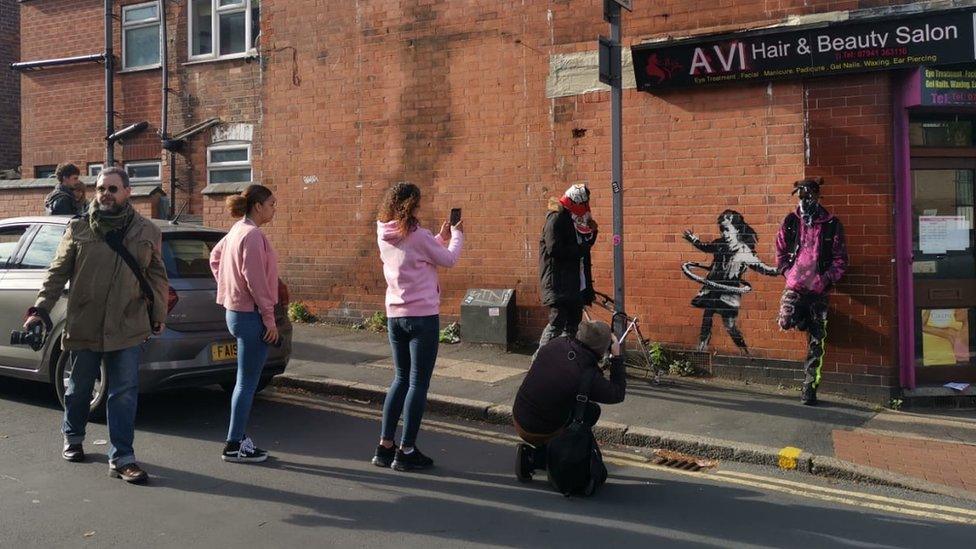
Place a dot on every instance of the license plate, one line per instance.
(220, 352)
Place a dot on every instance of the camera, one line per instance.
(33, 338)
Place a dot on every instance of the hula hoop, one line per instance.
(687, 270)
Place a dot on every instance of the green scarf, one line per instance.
(103, 222)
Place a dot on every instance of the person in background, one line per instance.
(565, 273)
(63, 200)
(411, 256)
(246, 269)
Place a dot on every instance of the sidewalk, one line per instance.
(713, 418)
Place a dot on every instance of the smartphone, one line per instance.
(455, 216)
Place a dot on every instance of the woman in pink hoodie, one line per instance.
(246, 269)
(410, 257)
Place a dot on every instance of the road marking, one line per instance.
(838, 491)
(624, 459)
(787, 457)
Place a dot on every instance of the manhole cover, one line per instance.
(677, 460)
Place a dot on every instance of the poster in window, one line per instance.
(945, 337)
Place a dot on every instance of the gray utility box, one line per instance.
(488, 316)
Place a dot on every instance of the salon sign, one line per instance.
(932, 39)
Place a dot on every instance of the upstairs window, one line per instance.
(223, 28)
(140, 36)
(229, 163)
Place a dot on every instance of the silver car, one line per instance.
(194, 350)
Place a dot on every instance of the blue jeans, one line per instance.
(414, 340)
(252, 353)
(122, 372)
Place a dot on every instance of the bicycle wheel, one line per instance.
(641, 363)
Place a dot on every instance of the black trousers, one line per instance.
(816, 328)
(563, 320)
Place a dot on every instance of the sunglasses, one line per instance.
(112, 189)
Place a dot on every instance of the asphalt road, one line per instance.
(321, 490)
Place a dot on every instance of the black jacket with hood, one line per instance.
(560, 253)
(547, 395)
(60, 201)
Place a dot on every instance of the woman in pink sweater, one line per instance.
(410, 257)
(246, 269)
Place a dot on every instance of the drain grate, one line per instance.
(677, 460)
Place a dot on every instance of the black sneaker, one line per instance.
(523, 462)
(384, 456)
(243, 452)
(73, 453)
(412, 461)
(809, 396)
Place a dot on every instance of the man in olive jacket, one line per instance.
(565, 273)
(108, 315)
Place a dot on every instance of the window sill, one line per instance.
(251, 55)
(141, 69)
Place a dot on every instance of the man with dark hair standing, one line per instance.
(118, 295)
(62, 200)
(811, 253)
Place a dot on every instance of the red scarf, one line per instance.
(580, 213)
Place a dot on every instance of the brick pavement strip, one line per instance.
(951, 464)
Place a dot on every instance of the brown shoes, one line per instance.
(130, 472)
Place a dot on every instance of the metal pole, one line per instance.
(109, 87)
(617, 176)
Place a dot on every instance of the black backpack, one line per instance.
(573, 459)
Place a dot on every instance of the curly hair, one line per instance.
(399, 204)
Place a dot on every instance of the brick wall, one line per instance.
(63, 107)
(452, 96)
(20, 202)
(9, 85)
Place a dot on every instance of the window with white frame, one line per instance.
(140, 36)
(229, 163)
(94, 170)
(143, 172)
(223, 28)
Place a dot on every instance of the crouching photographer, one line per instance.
(556, 407)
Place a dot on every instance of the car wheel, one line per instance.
(228, 386)
(62, 372)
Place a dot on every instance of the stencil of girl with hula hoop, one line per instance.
(723, 287)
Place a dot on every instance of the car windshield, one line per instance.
(188, 256)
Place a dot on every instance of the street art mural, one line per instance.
(723, 287)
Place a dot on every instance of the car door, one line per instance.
(12, 237)
(22, 280)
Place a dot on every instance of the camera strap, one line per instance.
(114, 241)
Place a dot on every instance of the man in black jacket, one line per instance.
(544, 403)
(564, 261)
(62, 200)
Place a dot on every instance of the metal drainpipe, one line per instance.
(164, 124)
(109, 87)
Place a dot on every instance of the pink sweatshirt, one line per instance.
(410, 267)
(246, 269)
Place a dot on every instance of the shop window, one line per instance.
(140, 36)
(941, 133)
(229, 163)
(143, 172)
(43, 172)
(223, 28)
